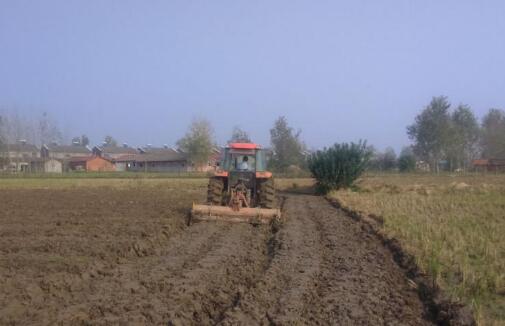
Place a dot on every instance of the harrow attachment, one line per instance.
(234, 214)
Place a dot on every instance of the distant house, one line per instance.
(14, 165)
(164, 159)
(113, 152)
(125, 162)
(16, 157)
(90, 164)
(168, 161)
(156, 150)
(21, 150)
(64, 152)
(46, 165)
(489, 165)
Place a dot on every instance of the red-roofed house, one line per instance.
(489, 165)
(91, 164)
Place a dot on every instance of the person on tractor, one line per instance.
(244, 165)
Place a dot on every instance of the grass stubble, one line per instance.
(453, 225)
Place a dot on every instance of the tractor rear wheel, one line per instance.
(215, 191)
(267, 194)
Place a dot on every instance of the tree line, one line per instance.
(442, 137)
(446, 137)
(199, 142)
(287, 148)
(41, 130)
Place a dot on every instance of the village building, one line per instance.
(168, 161)
(165, 159)
(22, 150)
(90, 164)
(156, 150)
(125, 162)
(55, 158)
(64, 152)
(46, 165)
(17, 157)
(15, 165)
(113, 152)
(489, 165)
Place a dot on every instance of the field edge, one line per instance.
(444, 311)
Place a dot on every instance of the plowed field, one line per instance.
(108, 256)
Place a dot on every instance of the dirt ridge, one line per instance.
(443, 310)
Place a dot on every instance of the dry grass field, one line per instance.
(454, 225)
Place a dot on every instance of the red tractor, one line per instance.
(241, 190)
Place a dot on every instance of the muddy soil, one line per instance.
(121, 257)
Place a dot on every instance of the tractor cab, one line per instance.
(241, 162)
(243, 157)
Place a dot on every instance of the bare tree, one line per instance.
(48, 130)
(239, 136)
(16, 127)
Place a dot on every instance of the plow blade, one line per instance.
(244, 215)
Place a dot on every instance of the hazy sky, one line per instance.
(339, 70)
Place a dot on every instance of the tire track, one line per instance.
(114, 292)
(201, 275)
(279, 295)
(360, 283)
(327, 270)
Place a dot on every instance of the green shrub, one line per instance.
(338, 166)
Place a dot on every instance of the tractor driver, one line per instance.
(244, 165)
